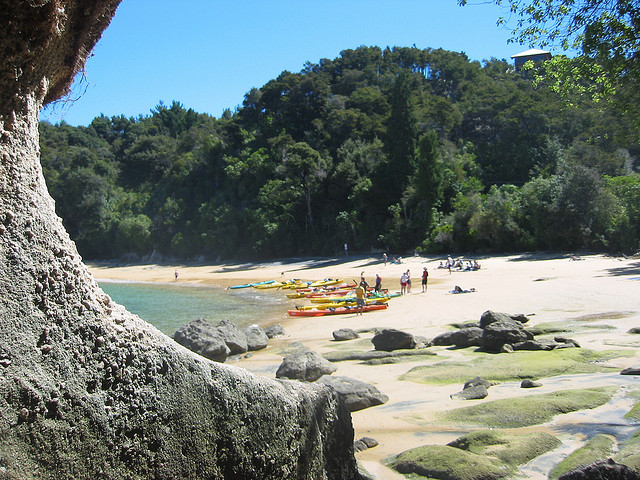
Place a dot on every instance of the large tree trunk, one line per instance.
(86, 388)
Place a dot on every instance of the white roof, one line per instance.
(530, 52)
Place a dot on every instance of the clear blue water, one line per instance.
(168, 307)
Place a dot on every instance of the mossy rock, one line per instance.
(481, 455)
(511, 449)
(597, 448)
(634, 413)
(529, 410)
(448, 463)
(517, 366)
(629, 453)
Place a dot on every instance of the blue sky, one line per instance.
(206, 54)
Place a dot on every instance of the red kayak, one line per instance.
(334, 311)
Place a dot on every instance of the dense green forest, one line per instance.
(399, 150)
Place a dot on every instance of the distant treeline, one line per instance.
(399, 149)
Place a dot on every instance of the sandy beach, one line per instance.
(598, 289)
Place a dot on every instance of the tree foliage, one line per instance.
(396, 149)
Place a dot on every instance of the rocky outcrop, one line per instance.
(306, 366)
(86, 388)
(602, 470)
(465, 337)
(390, 339)
(357, 394)
(256, 338)
(474, 389)
(344, 334)
(201, 337)
(503, 330)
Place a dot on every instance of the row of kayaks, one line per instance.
(289, 284)
(315, 312)
(328, 296)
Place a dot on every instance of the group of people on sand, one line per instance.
(405, 281)
(460, 264)
(395, 260)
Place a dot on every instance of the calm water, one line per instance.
(168, 307)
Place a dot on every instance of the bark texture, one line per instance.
(88, 390)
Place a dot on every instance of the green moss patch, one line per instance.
(598, 448)
(479, 455)
(634, 413)
(529, 410)
(629, 453)
(516, 366)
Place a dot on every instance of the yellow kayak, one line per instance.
(333, 304)
(325, 282)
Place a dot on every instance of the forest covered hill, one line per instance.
(398, 149)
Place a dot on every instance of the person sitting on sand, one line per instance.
(457, 289)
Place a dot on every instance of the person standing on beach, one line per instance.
(378, 286)
(384, 257)
(408, 281)
(363, 282)
(360, 289)
(425, 279)
(175, 274)
(403, 283)
(346, 250)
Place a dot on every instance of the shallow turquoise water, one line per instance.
(168, 307)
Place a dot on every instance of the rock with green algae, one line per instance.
(597, 448)
(529, 410)
(481, 455)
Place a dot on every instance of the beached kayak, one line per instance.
(247, 285)
(334, 311)
(350, 302)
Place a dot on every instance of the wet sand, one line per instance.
(596, 290)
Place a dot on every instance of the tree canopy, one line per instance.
(400, 149)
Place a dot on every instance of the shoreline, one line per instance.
(599, 290)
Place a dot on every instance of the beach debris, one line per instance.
(528, 383)
(364, 443)
(344, 334)
(307, 366)
(273, 331)
(256, 338)
(602, 469)
(391, 339)
(356, 394)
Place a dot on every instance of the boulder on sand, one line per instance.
(357, 394)
(306, 366)
(201, 337)
(344, 334)
(273, 331)
(256, 338)
(490, 317)
(391, 339)
(504, 330)
(465, 337)
(235, 338)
